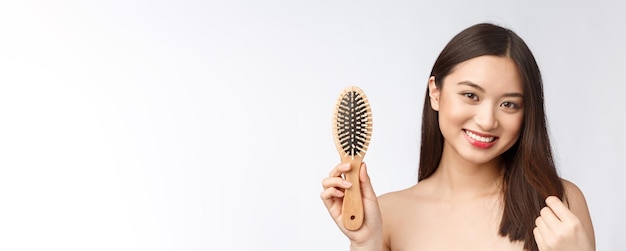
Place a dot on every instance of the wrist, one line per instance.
(374, 244)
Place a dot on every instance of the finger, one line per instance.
(559, 208)
(329, 195)
(366, 185)
(542, 228)
(552, 222)
(339, 169)
(335, 182)
(332, 199)
(539, 239)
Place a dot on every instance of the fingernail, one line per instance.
(347, 183)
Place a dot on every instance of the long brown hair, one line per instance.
(530, 174)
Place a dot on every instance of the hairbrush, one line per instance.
(352, 130)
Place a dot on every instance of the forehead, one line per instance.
(492, 73)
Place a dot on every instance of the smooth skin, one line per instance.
(459, 207)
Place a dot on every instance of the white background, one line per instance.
(194, 125)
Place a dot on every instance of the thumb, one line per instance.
(366, 185)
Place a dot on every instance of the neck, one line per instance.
(456, 177)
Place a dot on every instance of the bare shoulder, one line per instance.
(574, 197)
(391, 200)
(575, 200)
(393, 206)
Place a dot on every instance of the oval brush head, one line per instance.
(352, 130)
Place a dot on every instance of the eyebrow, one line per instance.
(478, 87)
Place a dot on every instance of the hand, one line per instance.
(559, 229)
(370, 234)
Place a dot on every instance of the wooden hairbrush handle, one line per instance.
(352, 209)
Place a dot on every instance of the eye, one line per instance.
(510, 105)
(470, 95)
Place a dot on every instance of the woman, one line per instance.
(487, 180)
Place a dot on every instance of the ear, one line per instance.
(433, 93)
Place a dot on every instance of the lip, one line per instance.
(482, 145)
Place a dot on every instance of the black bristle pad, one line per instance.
(352, 123)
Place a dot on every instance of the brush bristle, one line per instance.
(352, 123)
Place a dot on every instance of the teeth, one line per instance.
(479, 138)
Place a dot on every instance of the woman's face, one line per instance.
(481, 108)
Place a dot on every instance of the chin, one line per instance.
(480, 158)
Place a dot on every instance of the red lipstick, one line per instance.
(479, 144)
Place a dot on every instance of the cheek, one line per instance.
(453, 114)
(513, 125)
(455, 110)
(451, 106)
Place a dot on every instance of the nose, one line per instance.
(486, 118)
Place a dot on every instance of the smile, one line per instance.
(479, 138)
